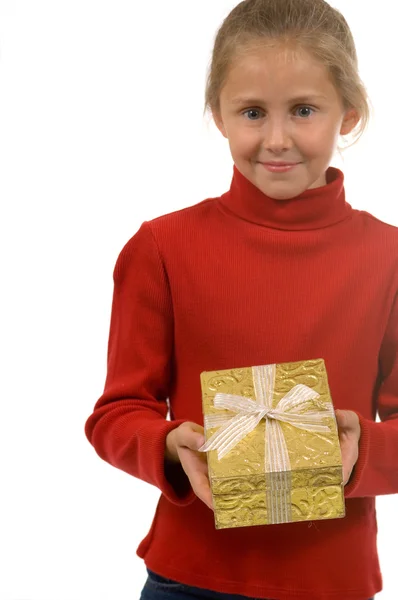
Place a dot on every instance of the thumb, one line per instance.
(201, 441)
(192, 436)
(341, 418)
(199, 435)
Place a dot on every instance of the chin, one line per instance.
(282, 196)
(283, 190)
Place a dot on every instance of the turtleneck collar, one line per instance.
(312, 209)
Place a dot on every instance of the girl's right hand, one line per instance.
(182, 445)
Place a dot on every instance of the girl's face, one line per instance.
(278, 105)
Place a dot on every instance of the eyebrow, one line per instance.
(301, 98)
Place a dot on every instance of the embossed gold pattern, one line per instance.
(241, 488)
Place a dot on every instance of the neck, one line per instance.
(312, 209)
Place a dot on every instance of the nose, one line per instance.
(277, 136)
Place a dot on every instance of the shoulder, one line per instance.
(376, 222)
(168, 229)
(375, 242)
(173, 221)
(177, 220)
(178, 230)
(376, 229)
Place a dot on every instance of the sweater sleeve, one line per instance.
(128, 425)
(376, 471)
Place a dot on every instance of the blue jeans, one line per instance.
(158, 588)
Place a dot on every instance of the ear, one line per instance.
(219, 122)
(351, 118)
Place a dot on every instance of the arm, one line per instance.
(128, 426)
(376, 471)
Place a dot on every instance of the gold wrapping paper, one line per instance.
(246, 493)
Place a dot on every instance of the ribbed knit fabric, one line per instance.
(243, 280)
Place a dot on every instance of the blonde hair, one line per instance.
(310, 25)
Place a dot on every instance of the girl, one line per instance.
(279, 268)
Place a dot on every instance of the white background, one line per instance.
(101, 128)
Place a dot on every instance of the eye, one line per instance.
(252, 110)
(306, 108)
(257, 110)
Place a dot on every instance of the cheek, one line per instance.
(316, 140)
(246, 138)
(324, 132)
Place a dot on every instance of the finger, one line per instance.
(347, 420)
(195, 467)
(190, 435)
(197, 473)
(201, 487)
(345, 464)
(349, 456)
(195, 427)
(347, 474)
(341, 419)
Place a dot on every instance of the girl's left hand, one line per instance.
(349, 435)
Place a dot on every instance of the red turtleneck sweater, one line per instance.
(242, 280)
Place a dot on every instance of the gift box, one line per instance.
(272, 444)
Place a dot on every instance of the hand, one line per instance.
(182, 445)
(349, 435)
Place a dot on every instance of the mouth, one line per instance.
(275, 167)
(280, 164)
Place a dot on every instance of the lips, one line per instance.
(279, 168)
(280, 164)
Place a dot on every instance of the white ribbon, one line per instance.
(294, 408)
(250, 412)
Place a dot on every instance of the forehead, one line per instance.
(277, 72)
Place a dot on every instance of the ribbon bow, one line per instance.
(249, 413)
